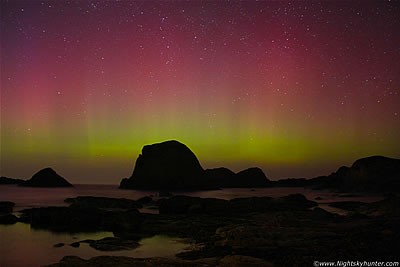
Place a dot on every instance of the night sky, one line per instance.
(296, 88)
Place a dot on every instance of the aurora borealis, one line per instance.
(296, 88)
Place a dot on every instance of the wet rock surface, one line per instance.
(258, 231)
(102, 202)
(112, 244)
(228, 261)
(6, 216)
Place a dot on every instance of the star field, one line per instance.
(297, 88)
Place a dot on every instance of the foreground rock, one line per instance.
(213, 206)
(46, 178)
(164, 166)
(112, 244)
(287, 231)
(227, 261)
(6, 180)
(102, 202)
(6, 206)
(8, 219)
(77, 219)
(389, 207)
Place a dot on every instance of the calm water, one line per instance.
(22, 246)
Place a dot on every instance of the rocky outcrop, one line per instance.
(78, 219)
(6, 180)
(374, 174)
(220, 177)
(213, 206)
(166, 165)
(112, 244)
(227, 261)
(252, 177)
(102, 202)
(46, 178)
(6, 206)
(225, 178)
(171, 165)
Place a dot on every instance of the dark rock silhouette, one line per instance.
(102, 203)
(166, 165)
(220, 177)
(77, 219)
(144, 200)
(75, 244)
(112, 244)
(290, 182)
(214, 206)
(8, 219)
(375, 174)
(6, 206)
(372, 174)
(252, 177)
(46, 178)
(225, 178)
(7, 180)
(171, 165)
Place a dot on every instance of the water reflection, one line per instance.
(20, 245)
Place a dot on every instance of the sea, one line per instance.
(21, 245)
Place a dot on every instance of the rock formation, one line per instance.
(46, 178)
(171, 165)
(376, 173)
(7, 180)
(166, 165)
(221, 177)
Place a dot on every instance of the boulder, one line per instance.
(8, 219)
(46, 178)
(165, 166)
(6, 206)
(145, 200)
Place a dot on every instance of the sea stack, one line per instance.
(169, 165)
(46, 178)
